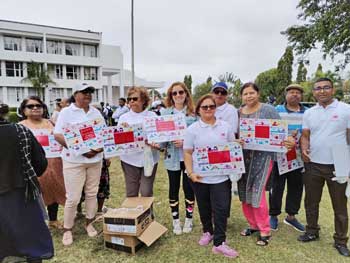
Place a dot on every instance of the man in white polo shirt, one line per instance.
(224, 111)
(82, 171)
(324, 125)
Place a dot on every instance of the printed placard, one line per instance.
(165, 128)
(47, 140)
(263, 134)
(222, 159)
(123, 139)
(82, 137)
(291, 160)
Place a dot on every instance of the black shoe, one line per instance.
(307, 237)
(343, 250)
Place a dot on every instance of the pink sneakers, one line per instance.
(206, 238)
(225, 250)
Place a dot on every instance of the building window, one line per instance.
(55, 71)
(12, 43)
(1, 98)
(72, 49)
(54, 47)
(34, 45)
(32, 92)
(90, 51)
(57, 93)
(90, 73)
(14, 69)
(73, 72)
(95, 97)
(15, 94)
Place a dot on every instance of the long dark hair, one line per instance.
(24, 103)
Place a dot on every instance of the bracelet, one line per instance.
(189, 175)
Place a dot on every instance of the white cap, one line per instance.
(82, 86)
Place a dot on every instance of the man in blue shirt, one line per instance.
(294, 179)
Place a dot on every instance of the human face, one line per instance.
(293, 97)
(64, 103)
(83, 98)
(135, 102)
(178, 95)
(323, 92)
(121, 103)
(207, 110)
(220, 96)
(33, 109)
(250, 96)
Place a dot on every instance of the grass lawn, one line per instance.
(170, 248)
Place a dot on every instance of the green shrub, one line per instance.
(13, 117)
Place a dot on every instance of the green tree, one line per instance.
(268, 82)
(234, 96)
(202, 89)
(285, 69)
(302, 73)
(325, 24)
(188, 82)
(38, 77)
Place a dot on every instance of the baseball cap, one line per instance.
(82, 86)
(294, 86)
(220, 85)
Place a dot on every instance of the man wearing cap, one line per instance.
(325, 126)
(82, 171)
(294, 179)
(224, 111)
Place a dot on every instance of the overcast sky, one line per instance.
(177, 37)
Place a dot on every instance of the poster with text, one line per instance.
(263, 134)
(82, 137)
(222, 159)
(123, 139)
(47, 140)
(165, 128)
(291, 160)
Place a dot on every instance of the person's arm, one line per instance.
(305, 145)
(60, 139)
(196, 178)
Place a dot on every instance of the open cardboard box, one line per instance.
(128, 228)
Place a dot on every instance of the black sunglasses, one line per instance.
(32, 106)
(180, 92)
(132, 99)
(87, 91)
(222, 92)
(208, 107)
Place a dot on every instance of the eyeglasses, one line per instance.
(87, 91)
(208, 107)
(221, 92)
(324, 88)
(132, 99)
(32, 106)
(180, 92)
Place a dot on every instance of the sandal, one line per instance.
(263, 241)
(248, 232)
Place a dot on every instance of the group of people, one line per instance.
(212, 121)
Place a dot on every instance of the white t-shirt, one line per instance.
(328, 126)
(131, 117)
(73, 114)
(228, 113)
(200, 134)
(119, 112)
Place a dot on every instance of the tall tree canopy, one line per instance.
(326, 23)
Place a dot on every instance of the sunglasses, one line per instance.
(180, 92)
(132, 99)
(221, 92)
(87, 91)
(208, 107)
(32, 106)
(324, 88)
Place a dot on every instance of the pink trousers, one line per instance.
(258, 218)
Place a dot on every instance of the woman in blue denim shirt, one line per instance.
(179, 101)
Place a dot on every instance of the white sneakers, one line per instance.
(188, 225)
(177, 227)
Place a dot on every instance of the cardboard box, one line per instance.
(132, 219)
(130, 227)
(131, 244)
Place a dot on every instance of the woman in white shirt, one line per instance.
(213, 193)
(133, 164)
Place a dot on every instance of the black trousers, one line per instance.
(174, 187)
(52, 211)
(294, 180)
(214, 203)
(316, 175)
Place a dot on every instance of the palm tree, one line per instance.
(38, 77)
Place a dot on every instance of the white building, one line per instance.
(71, 56)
